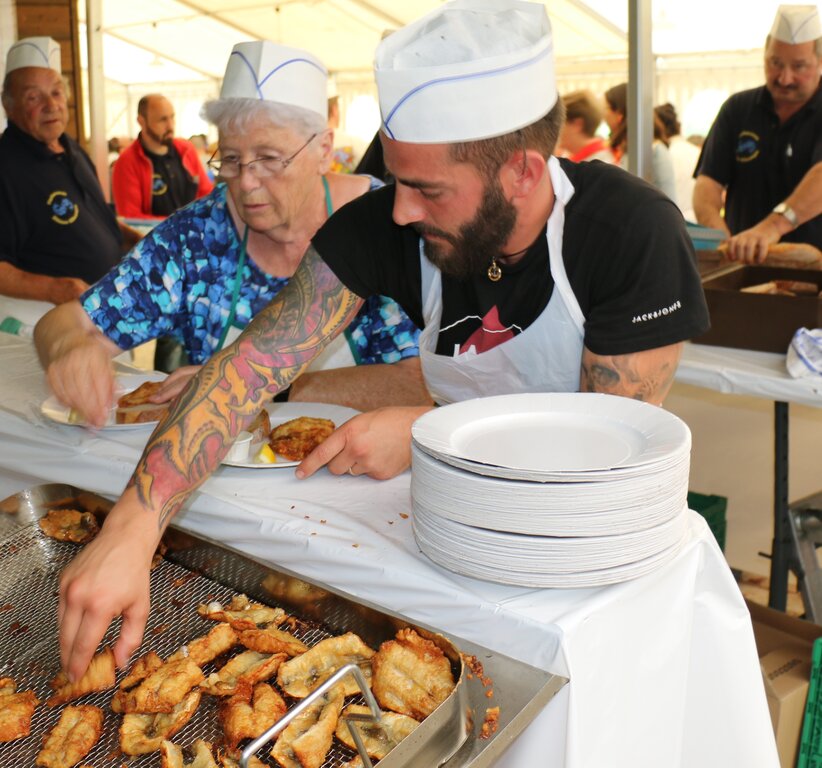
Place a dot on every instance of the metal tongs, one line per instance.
(374, 717)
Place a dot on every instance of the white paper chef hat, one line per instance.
(34, 52)
(271, 72)
(797, 24)
(469, 70)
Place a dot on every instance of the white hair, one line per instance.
(237, 114)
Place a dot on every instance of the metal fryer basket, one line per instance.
(197, 571)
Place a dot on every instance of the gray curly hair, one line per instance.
(237, 114)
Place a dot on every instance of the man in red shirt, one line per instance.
(577, 138)
(157, 174)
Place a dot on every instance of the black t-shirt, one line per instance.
(54, 219)
(172, 186)
(626, 251)
(760, 161)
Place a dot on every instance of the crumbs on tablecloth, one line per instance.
(404, 515)
(356, 546)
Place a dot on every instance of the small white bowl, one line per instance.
(240, 449)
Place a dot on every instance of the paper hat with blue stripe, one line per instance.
(471, 69)
(34, 52)
(271, 72)
(795, 24)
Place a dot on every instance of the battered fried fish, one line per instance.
(141, 669)
(247, 716)
(172, 756)
(302, 674)
(246, 668)
(295, 439)
(271, 640)
(69, 525)
(229, 761)
(412, 675)
(306, 740)
(162, 690)
(72, 738)
(220, 639)
(16, 710)
(141, 734)
(379, 738)
(242, 613)
(99, 677)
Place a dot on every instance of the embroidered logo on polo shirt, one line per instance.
(158, 185)
(747, 146)
(63, 210)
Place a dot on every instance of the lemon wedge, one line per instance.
(265, 455)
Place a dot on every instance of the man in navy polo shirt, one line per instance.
(764, 151)
(57, 233)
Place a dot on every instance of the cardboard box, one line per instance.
(758, 321)
(784, 644)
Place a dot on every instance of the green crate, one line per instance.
(713, 509)
(810, 745)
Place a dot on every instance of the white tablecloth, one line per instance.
(663, 669)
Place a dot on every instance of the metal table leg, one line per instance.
(782, 542)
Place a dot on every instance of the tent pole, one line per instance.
(640, 88)
(98, 143)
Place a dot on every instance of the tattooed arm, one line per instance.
(110, 576)
(646, 375)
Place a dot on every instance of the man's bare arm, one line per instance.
(364, 387)
(20, 284)
(646, 375)
(708, 203)
(229, 390)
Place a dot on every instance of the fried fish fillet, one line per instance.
(412, 675)
(271, 640)
(69, 525)
(172, 756)
(246, 668)
(379, 738)
(141, 669)
(72, 738)
(144, 733)
(247, 716)
(16, 710)
(220, 639)
(307, 738)
(302, 674)
(296, 438)
(230, 761)
(242, 613)
(162, 690)
(99, 677)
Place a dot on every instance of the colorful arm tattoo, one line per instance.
(644, 375)
(280, 342)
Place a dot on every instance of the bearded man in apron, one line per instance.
(204, 272)
(527, 273)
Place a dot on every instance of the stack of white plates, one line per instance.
(550, 490)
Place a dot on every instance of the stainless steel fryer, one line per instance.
(196, 570)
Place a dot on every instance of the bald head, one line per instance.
(34, 99)
(155, 114)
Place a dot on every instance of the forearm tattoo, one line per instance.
(643, 376)
(230, 389)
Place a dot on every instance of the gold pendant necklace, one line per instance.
(494, 272)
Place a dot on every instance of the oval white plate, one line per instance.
(280, 412)
(53, 409)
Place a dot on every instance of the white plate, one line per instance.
(555, 433)
(280, 412)
(53, 409)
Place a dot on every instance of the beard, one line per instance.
(161, 138)
(478, 241)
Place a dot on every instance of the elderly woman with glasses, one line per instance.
(203, 273)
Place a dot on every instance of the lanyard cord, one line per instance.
(238, 275)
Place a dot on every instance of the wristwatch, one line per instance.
(783, 209)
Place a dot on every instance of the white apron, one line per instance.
(545, 357)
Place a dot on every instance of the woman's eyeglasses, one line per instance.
(261, 167)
